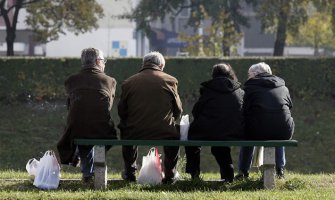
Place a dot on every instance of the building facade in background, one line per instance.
(119, 38)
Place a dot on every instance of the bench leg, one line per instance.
(269, 167)
(100, 168)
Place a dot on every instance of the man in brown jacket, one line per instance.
(90, 98)
(149, 108)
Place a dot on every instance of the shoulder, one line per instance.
(71, 78)
(168, 78)
(110, 81)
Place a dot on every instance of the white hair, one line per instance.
(154, 57)
(258, 68)
(101, 54)
(90, 55)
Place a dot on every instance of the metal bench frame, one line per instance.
(100, 167)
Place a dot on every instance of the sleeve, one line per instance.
(66, 86)
(246, 103)
(122, 106)
(198, 106)
(112, 89)
(177, 108)
(289, 100)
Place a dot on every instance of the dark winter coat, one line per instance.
(218, 112)
(90, 99)
(149, 106)
(267, 105)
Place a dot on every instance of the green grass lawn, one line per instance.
(27, 130)
(18, 185)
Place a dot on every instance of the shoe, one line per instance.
(224, 181)
(88, 179)
(128, 177)
(241, 176)
(195, 175)
(280, 173)
(171, 180)
(75, 161)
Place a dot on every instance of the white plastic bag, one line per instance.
(257, 160)
(184, 126)
(151, 170)
(32, 166)
(48, 172)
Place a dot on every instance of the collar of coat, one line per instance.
(94, 69)
(151, 66)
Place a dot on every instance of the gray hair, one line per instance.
(154, 57)
(258, 68)
(89, 56)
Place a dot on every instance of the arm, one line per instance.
(112, 88)
(198, 106)
(122, 106)
(177, 107)
(288, 99)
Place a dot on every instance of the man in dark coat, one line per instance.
(217, 116)
(90, 98)
(267, 114)
(149, 108)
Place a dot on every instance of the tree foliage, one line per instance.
(148, 11)
(50, 18)
(281, 17)
(316, 32)
(218, 39)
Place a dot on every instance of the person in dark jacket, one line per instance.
(267, 115)
(217, 116)
(90, 98)
(149, 108)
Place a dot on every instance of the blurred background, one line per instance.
(41, 42)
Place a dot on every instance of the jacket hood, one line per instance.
(266, 80)
(221, 85)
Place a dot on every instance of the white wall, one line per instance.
(71, 45)
(110, 29)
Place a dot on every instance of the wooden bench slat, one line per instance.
(265, 143)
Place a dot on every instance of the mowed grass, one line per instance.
(18, 185)
(27, 130)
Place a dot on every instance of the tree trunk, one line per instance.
(225, 48)
(281, 34)
(10, 38)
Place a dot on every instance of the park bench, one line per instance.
(100, 167)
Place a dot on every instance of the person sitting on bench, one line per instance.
(149, 108)
(217, 116)
(267, 115)
(90, 98)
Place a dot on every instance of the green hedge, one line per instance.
(44, 77)
(311, 83)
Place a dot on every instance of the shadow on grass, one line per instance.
(179, 186)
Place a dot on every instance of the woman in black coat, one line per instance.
(267, 114)
(217, 116)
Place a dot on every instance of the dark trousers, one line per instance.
(222, 156)
(86, 160)
(86, 153)
(171, 155)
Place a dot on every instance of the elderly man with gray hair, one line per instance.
(149, 108)
(267, 115)
(90, 98)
